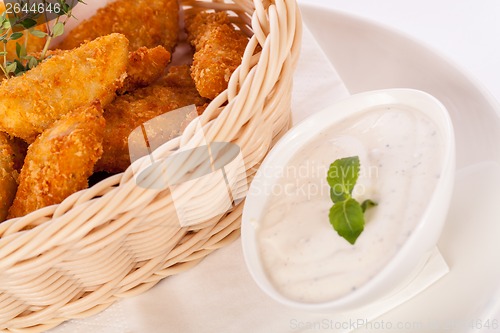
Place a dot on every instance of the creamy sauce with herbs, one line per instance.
(304, 257)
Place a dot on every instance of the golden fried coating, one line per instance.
(34, 101)
(145, 66)
(127, 112)
(219, 49)
(8, 175)
(60, 160)
(196, 25)
(34, 44)
(144, 22)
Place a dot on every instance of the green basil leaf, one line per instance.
(367, 204)
(337, 194)
(343, 175)
(347, 219)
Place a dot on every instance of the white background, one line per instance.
(465, 31)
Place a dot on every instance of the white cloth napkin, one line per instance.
(219, 295)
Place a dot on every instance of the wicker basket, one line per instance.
(117, 239)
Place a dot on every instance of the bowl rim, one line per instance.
(303, 133)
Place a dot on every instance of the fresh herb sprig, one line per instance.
(347, 214)
(17, 25)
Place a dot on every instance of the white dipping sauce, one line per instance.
(304, 257)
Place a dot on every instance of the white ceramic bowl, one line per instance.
(412, 255)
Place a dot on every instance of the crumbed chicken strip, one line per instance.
(219, 50)
(34, 101)
(60, 160)
(127, 112)
(144, 22)
(34, 44)
(145, 66)
(8, 175)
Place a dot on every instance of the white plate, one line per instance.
(369, 56)
(219, 295)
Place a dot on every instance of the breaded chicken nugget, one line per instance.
(8, 175)
(34, 101)
(60, 160)
(127, 112)
(219, 49)
(34, 44)
(145, 66)
(196, 24)
(144, 22)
